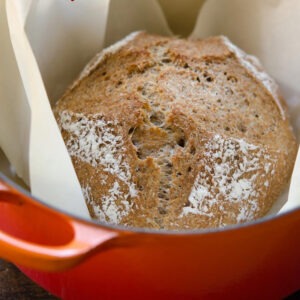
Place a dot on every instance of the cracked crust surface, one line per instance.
(177, 134)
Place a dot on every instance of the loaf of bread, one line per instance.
(171, 133)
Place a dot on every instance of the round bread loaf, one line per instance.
(177, 134)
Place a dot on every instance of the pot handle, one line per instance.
(81, 238)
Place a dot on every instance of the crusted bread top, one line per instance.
(171, 133)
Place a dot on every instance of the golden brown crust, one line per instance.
(174, 134)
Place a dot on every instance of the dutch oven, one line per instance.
(75, 258)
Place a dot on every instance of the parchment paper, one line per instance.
(45, 44)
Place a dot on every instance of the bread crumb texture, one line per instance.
(168, 133)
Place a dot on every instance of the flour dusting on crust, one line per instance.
(253, 65)
(232, 167)
(87, 194)
(93, 139)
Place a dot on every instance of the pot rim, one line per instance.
(139, 230)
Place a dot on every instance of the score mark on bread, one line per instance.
(177, 134)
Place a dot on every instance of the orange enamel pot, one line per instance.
(79, 259)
